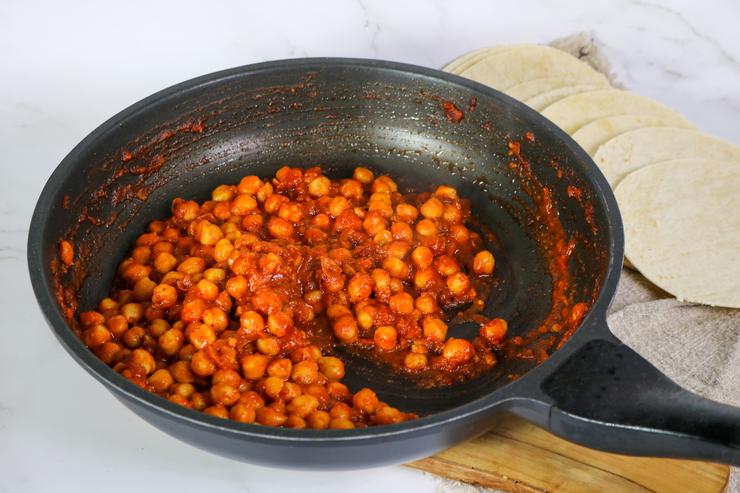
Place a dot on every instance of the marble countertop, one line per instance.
(68, 66)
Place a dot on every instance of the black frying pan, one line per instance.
(184, 140)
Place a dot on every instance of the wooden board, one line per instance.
(520, 457)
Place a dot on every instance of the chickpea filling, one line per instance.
(233, 306)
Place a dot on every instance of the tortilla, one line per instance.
(531, 88)
(545, 99)
(521, 63)
(573, 112)
(682, 228)
(592, 135)
(632, 150)
(464, 61)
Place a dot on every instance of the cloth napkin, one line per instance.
(697, 346)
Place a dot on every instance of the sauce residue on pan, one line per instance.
(565, 313)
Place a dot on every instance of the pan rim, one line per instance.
(123, 388)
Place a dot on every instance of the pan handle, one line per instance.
(606, 396)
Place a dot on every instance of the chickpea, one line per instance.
(222, 250)
(186, 390)
(415, 361)
(458, 283)
(108, 352)
(360, 287)
(457, 351)
(306, 353)
(396, 267)
(426, 304)
(290, 391)
(132, 312)
(363, 175)
(398, 249)
(164, 296)
(384, 184)
(336, 311)
(171, 341)
(341, 424)
(281, 368)
(252, 399)
(218, 411)
(351, 189)
(225, 395)
(305, 372)
(494, 331)
(402, 231)
(200, 400)
(208, 234)
(243, 413)
(303, 405)
(202, 365)
(446, 265)
(337, 206)
(345, 328)
(452, 214)
(200, 335)
(249, 185)
(383, 237)
(280, 228)
(117, 325)
(279, 323)
(165, 262)
(459, 233)
(319, 187)
(365, 400)
(422, 257)
(270, 417)
(318, 420)
(385, 337)
(161, 380)
(134, 337)
(237, 286)
(366, 316)
(143, 359)
(268, 345)
(180, 371)
(434, 329)
(295, 422)
(216, 318)
(425, 278)
(406, 213)
(483, 263)
(402, 303)
(272, 386)
(243, 204)
(192, 265)
(432, 208)
(426, 227)
(97, 335)
(332, 368)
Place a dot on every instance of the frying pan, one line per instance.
(390, 117)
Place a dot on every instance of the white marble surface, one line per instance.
(67, 66)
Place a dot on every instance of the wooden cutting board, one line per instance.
(520, 457)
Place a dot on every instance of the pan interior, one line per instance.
(338, 116)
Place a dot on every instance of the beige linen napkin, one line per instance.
(697, 346)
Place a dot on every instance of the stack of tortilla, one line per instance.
(678, 188)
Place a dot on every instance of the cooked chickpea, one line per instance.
(243, 413)
(415, 361)
(426, 227)
(365, 400)
(363, 175)
(161, 380)
(202, 365)
(318, 420)
(218, 411)
(396, 267)
(432, 208)
(305, 372)
(279, 323)
(360, 287)
(494, 331)
(281, 368)
(180, 371)
(402, 303)
(406, 213)
(303, 405)
(332, 368)
(385, 337)
(457, 351)
(458, 283)
(345, 328)
(351, 189)
(434, 329)
(249, 185)
(165, 262)
(132, 312)
(426, 304)
(143, 359)
(483, 263)
(97, 335)
(452, 214)
(446, 265)
(280, 228)
(171, 341)
(269, 345)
